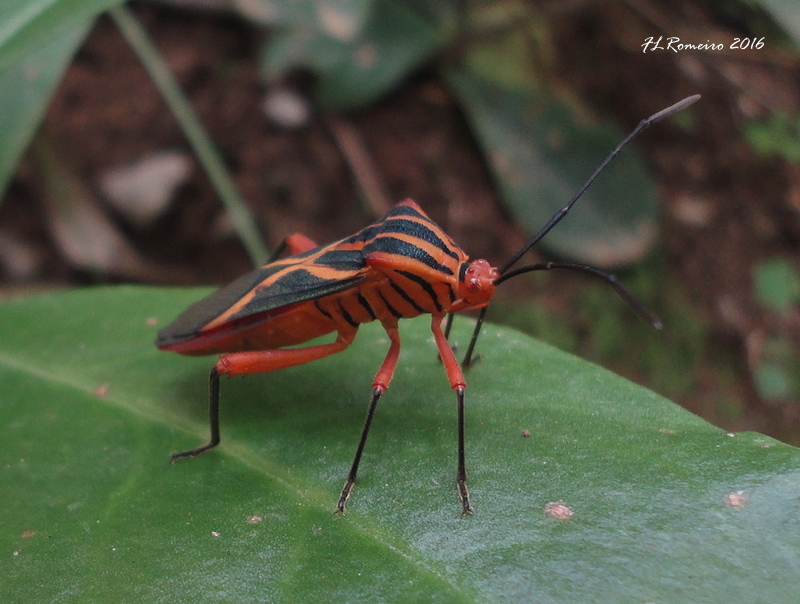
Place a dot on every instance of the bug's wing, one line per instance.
(404, 233)
(299, 278)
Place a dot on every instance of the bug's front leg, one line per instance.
(379, 386)
(459, 385)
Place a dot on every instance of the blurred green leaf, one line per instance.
(352, 72)
(342, 19)
(777, 372)
(25, 25)
(776, 284)
(445, 13)
(25, 90)
(779, 134)
(772, 382)
(92, 511)
(37, 41)
(541, 154)
(516, 71)
(786, 14)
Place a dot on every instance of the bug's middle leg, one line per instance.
(242, 363)
(379, 386)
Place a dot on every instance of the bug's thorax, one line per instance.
(475, 286)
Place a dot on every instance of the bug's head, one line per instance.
(476, 283)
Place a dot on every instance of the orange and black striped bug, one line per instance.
(402, 266)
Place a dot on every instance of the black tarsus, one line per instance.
(213, 419)
(558, 216)
(461, 472)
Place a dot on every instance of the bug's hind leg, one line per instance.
(213, 419)
(379, 386)
(261, 361)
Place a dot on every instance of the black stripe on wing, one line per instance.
(400, 247)
(342, 260)
(416, 229)
(297, 285)
(404, 220)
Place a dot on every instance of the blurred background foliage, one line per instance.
(316, 116)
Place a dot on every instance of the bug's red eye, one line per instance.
(473, 282)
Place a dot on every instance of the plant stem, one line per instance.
(198, 138)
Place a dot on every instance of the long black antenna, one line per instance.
(609, 278)
(558, 216)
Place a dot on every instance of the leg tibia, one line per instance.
(456, 377)
(379, 386)
(213, 419)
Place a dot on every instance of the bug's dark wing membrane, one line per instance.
(269, 288)
(299, 285)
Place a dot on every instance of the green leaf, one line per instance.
(92, 511)
(776, 284)
(25, 90)
(541, 155)
(37, 41)
(786, 14)
(27, 24)
(776, 376)
(778, 134)
(355, 71)
(772, 381)
(341, 19)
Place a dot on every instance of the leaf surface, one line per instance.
(93, 511)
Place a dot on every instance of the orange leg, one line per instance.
(242, 363)
(457, 383)
(295, 244)
(379, 386)
(261, 361)
(298, 244)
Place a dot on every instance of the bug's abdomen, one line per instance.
(385, 300)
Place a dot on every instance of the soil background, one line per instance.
(725, 208)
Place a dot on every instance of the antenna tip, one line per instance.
(679, 106)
